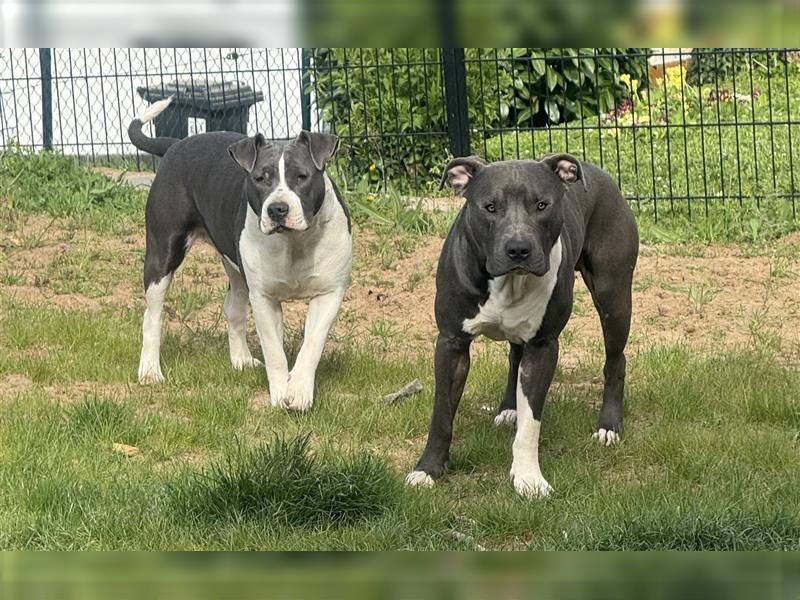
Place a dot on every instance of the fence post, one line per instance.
(46, 70)
(455, 91)
(305, 94)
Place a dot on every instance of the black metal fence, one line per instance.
(679, 129)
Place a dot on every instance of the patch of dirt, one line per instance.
(259, 401)
(75, 391)
(707, 296)
(390, 298)
(14, 384)
(700, 295)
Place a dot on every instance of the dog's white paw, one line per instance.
(506, 417)
(606, 437)
(299, 394)
(245, 362)
(531, 486)
(419, 479)
(150, 375)
(277, 394)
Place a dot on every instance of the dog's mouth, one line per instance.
(536, 271)
(271, 228)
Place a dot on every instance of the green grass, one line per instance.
(708, 461)
(280, 483)
(61, 187)
(84, 199)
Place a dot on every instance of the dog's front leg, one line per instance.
(322, 312)
(268, 315)
(536, 372)
(451, 367)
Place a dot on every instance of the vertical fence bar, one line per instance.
(484, 130)
(305, 92)
(381, 122)
(46, 70)
(792, 187)
(455, 85)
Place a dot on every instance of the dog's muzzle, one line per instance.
(278, 219)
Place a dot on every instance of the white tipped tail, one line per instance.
(155, 109)
(157, 145)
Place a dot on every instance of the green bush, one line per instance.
(563, 84)
(389, 104)
(712, 65)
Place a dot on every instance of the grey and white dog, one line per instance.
(280, 226)
(507, 271)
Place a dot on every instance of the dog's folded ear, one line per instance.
(566, 166)
(460, 171)
(245, 152)
(322, 146)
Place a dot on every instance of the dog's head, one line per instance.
(515, 208)
(285, 183)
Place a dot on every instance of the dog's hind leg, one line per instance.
(162, 258)
(607, 262)
(507, 413)
(235, 309)
(612, 299)
(610, 287)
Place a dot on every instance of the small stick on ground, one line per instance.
(407, 390)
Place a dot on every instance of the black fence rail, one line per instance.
(80, 101)
(680, 129)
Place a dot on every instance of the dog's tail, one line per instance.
(157, 145)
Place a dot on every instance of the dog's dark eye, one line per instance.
(302, 176)
(490, 207)
(260, 179)
(541, 206)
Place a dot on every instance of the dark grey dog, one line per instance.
(507, 271)
(280, 226)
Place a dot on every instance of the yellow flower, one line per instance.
(633, 84)
(373, 168)
(675, 76)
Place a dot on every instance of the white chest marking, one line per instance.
(299, 264)
(516, 304)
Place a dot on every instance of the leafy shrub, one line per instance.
(711, 65)
(389, 104)
(553, 86)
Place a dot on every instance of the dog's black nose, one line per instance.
(277, 211)
(518, 250)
